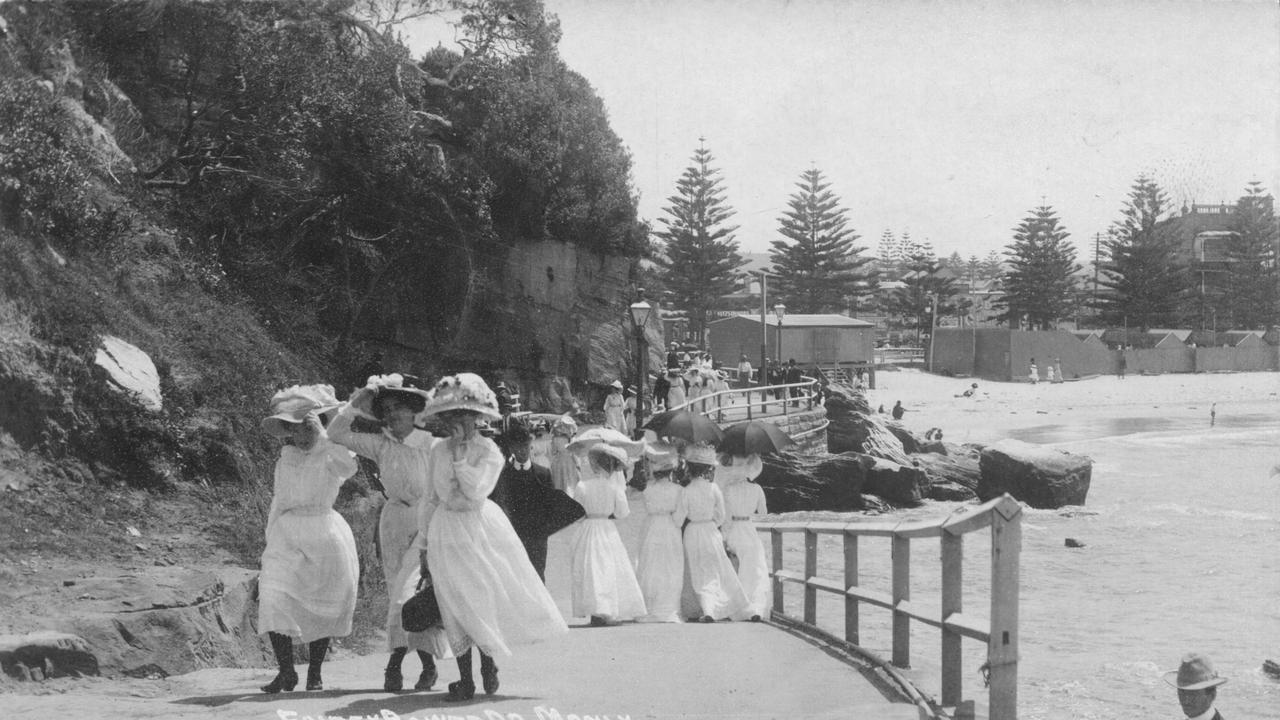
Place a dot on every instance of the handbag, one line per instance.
(422, 611)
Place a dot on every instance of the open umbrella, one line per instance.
(583, 441)
(754, 436)
(685, 425)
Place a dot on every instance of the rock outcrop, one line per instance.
(953, 476)
(794, 482)
(902, 485)
(1041, 477)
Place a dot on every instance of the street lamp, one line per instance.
(780, 311)
(933, 326)
(640, 311)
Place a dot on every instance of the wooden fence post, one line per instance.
(810, 574)
(775, 540)
(952, 601)
(850, 580)
(1002, 649)
(901, 552)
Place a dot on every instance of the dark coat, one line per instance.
(534, 507)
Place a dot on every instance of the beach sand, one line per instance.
(999, 407)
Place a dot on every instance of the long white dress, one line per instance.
(613, 412)
(402, 469)
(490, 596)
(564, 467)
(743, 500)
(660, 563)
(307, 588)
(713, 587)
(604, 582)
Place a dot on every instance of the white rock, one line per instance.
(131, 370)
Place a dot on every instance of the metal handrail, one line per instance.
(1003, 515)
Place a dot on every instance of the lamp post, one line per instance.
(933, 326)
(779, 311)
(764, 327)
(639, 318)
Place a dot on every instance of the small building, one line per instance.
(808, 339)
(1243, 339)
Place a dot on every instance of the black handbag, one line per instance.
(422, 611)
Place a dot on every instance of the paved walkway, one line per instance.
(687, 671)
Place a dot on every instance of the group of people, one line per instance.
(471, 524)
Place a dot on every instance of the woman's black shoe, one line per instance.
(313, 680)
(285, 680)
(427, 679)
(392, 680)
(461, 690)
(489, 676)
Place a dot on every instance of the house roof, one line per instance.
(798, 320)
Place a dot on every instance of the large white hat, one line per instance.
(700, 453)
(292, 405)
(589, 438)
(464, 391)
(613, 451)
(662, 456)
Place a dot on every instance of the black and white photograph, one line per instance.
(666, 359)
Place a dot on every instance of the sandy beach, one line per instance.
(998, 407)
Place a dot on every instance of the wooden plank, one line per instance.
(831, 586)
(810, 573)
(850, 581)
(825, 527)
(915, 612)
(952, 602)
(775, 544)
(921, 529)
(882, 529)
(968, 626)
(901, 555)
(1002, 647)
(879, 599)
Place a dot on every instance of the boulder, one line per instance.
(902, 485)
(951, 477)
(46, 654)
(131, 371)
(793, 482)
(1038, 476)
(911, 443)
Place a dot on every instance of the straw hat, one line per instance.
(700, 453)
(662, 456)
(464, 391)
(616, 384)
(1195, 673)
(612, 451)
(292, 405)
(564, 426)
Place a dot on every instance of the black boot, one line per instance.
(488, 674)
(427, 679)
(392, 679)
(287, 677)
(465, 688)
(315, 658)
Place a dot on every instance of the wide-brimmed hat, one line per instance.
(564, 426)
(398, 383)
(292, 405)
(588, 439)
(700, 453)
(612, 451)
(616, 384)
(662, 456)
(464, 391)
(1195, 673)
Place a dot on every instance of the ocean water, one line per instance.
(1182, 552)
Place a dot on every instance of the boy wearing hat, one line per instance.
(520, 492)
(1197, 684)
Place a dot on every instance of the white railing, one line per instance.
(1000, 631)
(750, 402)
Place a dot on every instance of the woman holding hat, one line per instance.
(564, 464)
(401, 451)
(604, 584)
(714, 590)
(307, 587)
(743, 500)
(490, 596)
(614, 408)
(660, 562)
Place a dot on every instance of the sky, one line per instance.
(947, 120)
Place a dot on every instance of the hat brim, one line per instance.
(1171, 679)
(407, 391)
(482, 410)
(280, 426)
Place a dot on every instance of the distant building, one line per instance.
(1204, 234)
(808, 339)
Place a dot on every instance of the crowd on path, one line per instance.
(465, 527)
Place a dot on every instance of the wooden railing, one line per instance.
(747, 403)
(1000, 632)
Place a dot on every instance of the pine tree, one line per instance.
(1253, 280)
(700, 258)
(887, 254)
(1040, 283)
(819, 268)
(1145, 284)
(921, 282)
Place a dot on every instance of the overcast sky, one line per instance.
(950, 120)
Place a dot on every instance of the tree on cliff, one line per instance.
(1145, 284)
(1040, 283)
(1252, 295)
(699, 256)
(818, 266)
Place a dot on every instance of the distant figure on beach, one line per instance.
(1197, 684)
(1057, 365)
(898, 410)
(933, 435)
(1123, 364)
(1034, 375)
(969, 392)
(1213, 414)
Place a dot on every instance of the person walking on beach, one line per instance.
(1034, 374)
(1123, 364)
(1197, 684)
(1213, 414)
(614, 407)
(310, 570)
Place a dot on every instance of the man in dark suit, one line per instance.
(521, 493)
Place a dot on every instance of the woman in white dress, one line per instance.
(490, 596)
(714, 592)
(743, 500)
(401, 451)
(676, 395)
(604, 583)
(614, 406)
(660, 563)
(307, 587)
(564, 464)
